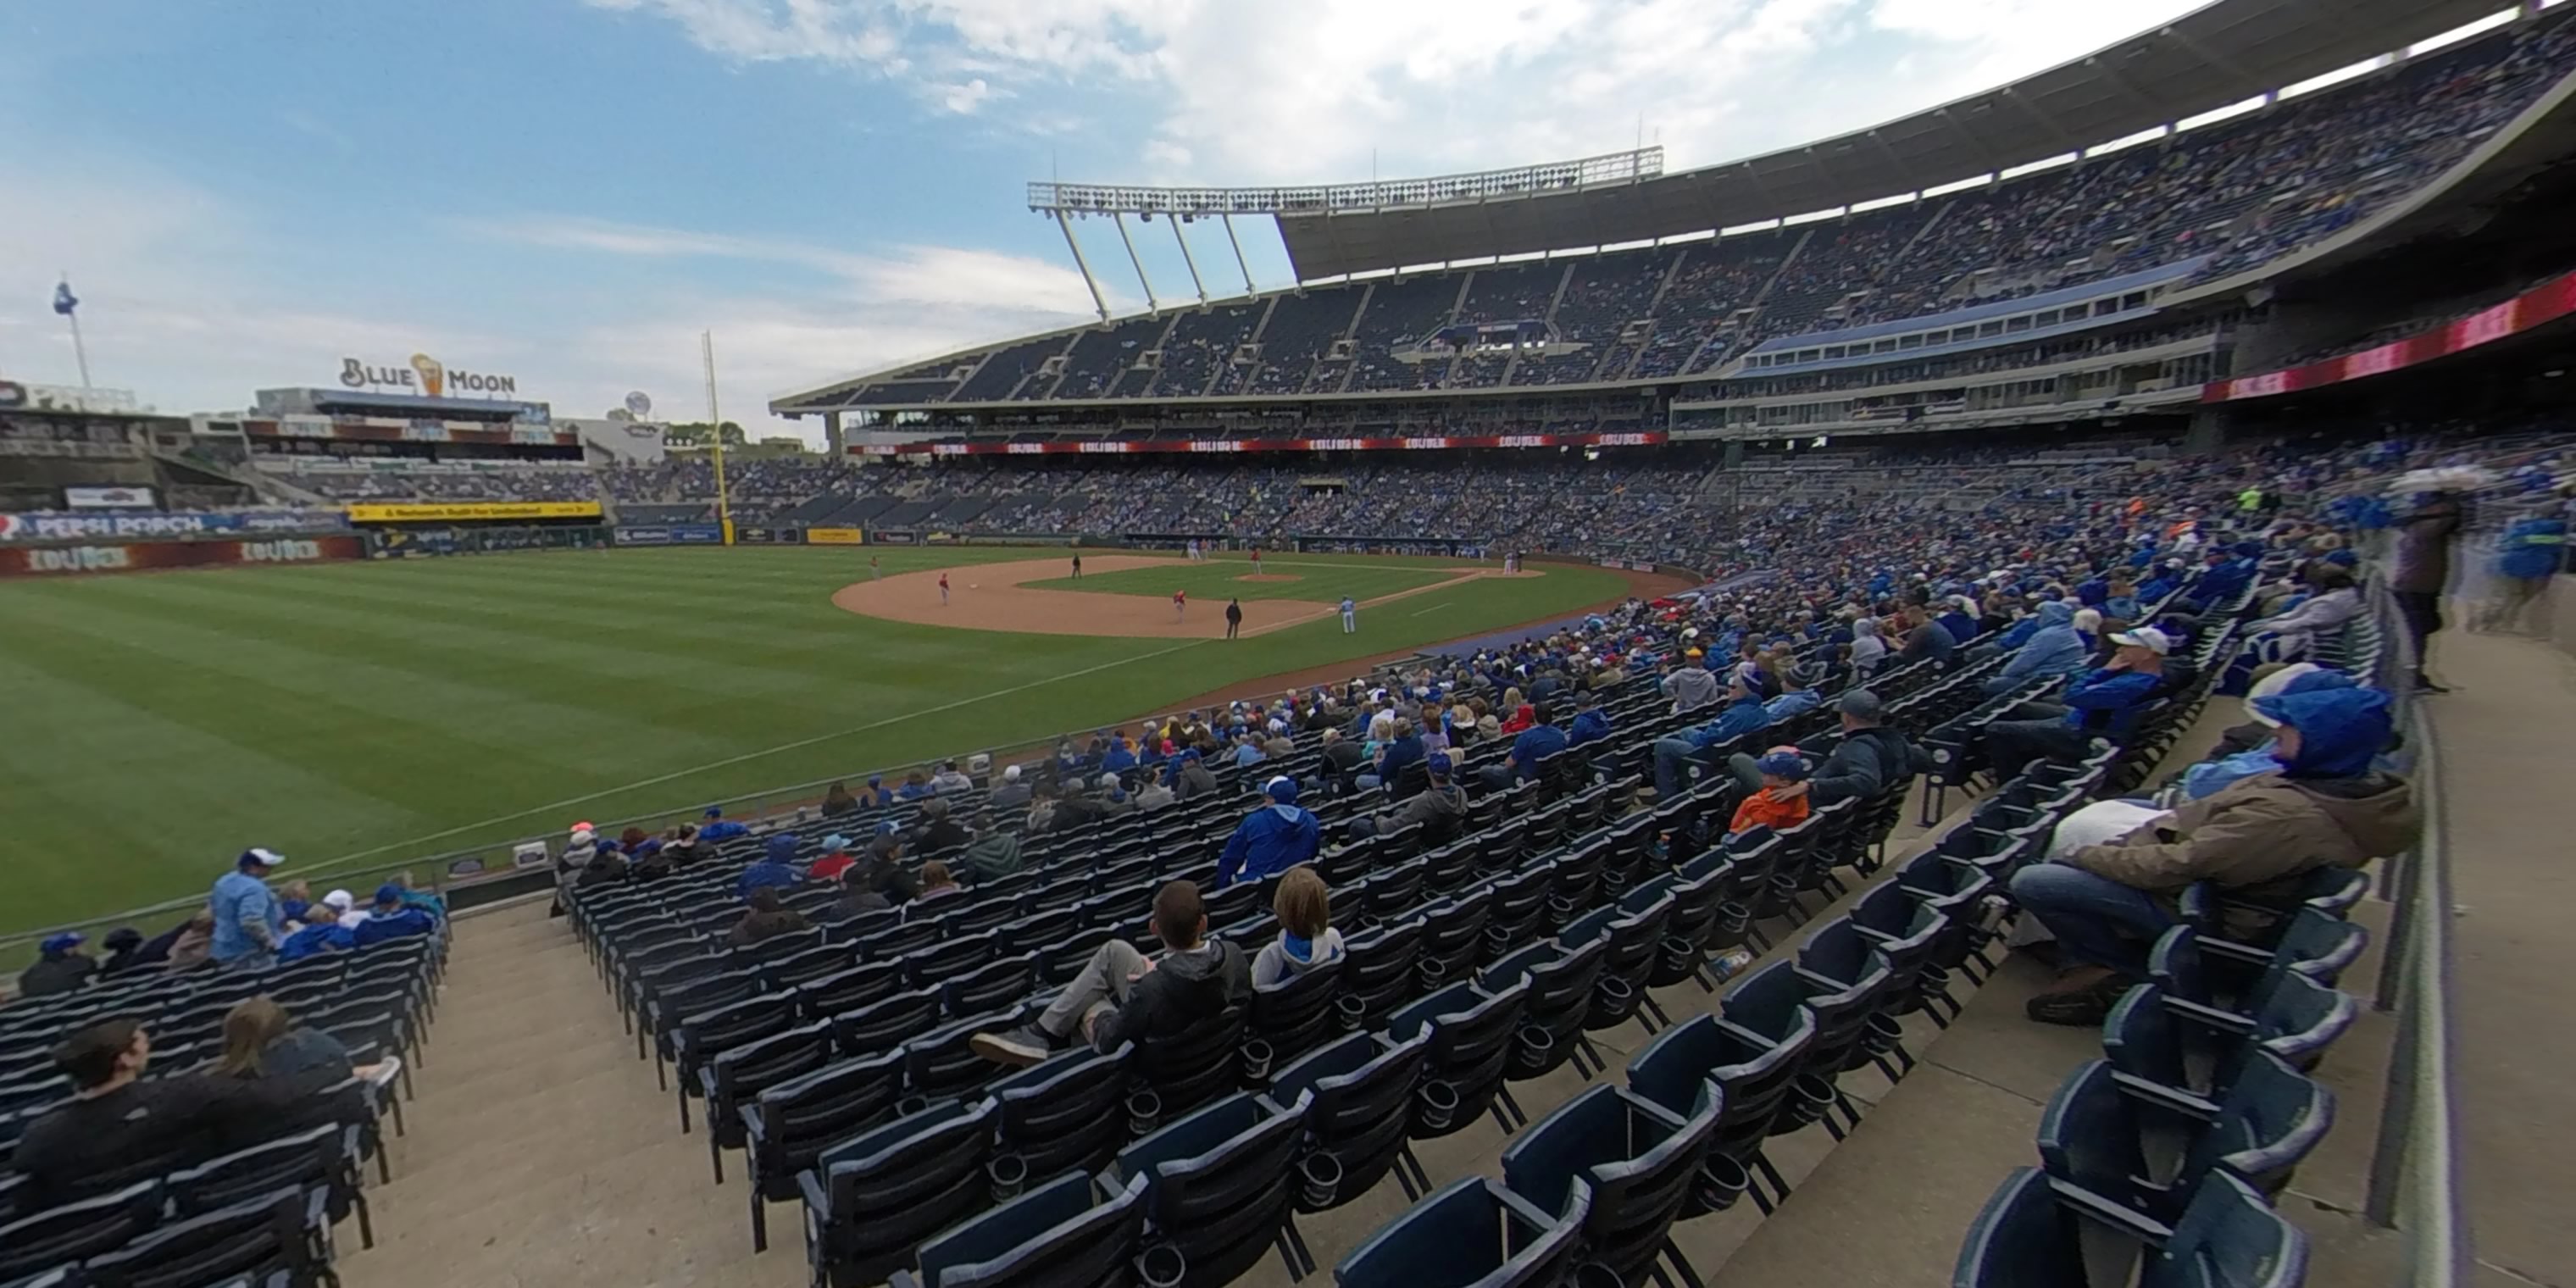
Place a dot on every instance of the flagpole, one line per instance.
(715, 434)
(80, 351)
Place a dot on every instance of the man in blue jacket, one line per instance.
(2102, 703)
(1272, 839)
(1590, 725)
(718, 828)
(2051, 651)
(1744, 713)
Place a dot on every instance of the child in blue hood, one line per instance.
(1272, 839)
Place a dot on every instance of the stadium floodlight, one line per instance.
(1067, 202)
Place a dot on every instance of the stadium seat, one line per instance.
(1639, 1162)
(1219, 1186)
(790, 1124)
(870, 1199)
(1357, 1095)
(1067, 1233)
(2032, 1236)
(1472, 1232)
(2147, 1148)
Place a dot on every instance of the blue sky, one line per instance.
(568, 191)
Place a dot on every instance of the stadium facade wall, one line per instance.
(145, 556)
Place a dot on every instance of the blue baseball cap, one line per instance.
(715, 811)
(836, 841)
(389, 893)
(57, 945)
(1784, 764)
(1440, 764)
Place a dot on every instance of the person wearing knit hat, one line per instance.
(1272, 839)
(2327, 805)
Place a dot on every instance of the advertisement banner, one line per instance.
(415, 543)
(25, 528)
(2547, 302)
(879, 538)
(55, 561)
(835, 537)
(108, 498)
(456, 513)
(685, 534)
(1648, 438)
(767, 536)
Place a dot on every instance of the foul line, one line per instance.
(730, 761)
(1435, 608)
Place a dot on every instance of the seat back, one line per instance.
(887, 1024)
(2272, 1118)
(1473, 1233)
(2022, 1239)
(1188, 1067)
(1378, 966)
(942, 1062)
(252, 1240)
(1218, 1182)
(77, 1231)
(1295, 1013)
(1638, 1161)
(1067, 1112)
(997, 984)
(1358, 1091)
(2229, 1237)
(802, 1116)
(1063, 1234)
(895, 1185)
(847, 990)
(307, 1160)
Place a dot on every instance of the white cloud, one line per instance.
(1255, 92)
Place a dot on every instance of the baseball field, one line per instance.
(365, 713)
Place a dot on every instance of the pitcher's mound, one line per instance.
(1269, 576)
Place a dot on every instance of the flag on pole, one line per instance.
(64, 300)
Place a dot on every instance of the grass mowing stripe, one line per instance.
(766, 752)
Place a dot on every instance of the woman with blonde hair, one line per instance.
(262, 1041)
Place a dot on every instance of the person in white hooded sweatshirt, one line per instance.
(1306, 937)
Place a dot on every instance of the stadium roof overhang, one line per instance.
(2222, 53)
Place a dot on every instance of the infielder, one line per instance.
(1180, 604)
(1350, 616)
(875, 572)
(943, 590)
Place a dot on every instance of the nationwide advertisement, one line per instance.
(834, 536)
(425, 512)
(768, 536)
(25, 528)
(678, 534)
(59, 561)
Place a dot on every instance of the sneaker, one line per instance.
(1730, 964)
(2423, 685)
(1022, 1047)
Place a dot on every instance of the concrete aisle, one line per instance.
(2508, 742)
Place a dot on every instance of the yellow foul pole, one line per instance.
(715, 433)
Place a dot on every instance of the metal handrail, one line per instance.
(2414, 1162)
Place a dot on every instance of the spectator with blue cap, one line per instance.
(1781, 802)
(248, 923)
(60, 967)
(1272, 839)
(2326, 806)
(719, 828)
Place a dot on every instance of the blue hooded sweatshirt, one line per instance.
(2210, 776)
(2053, 650)
(775, 867)
(2340, 730)
(1271, 840)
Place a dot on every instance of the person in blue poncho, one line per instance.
(2051, 651)
(1272, 839)
(2327, 805)
(776, 866)
(2222, 771)
(2532, 550)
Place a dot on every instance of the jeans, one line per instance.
(1496, 778)
(1669, 777)
(2035, 731)
(1109, 976)
(1368, 782)
(2097, 920)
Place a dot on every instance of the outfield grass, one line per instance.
(161, 722)
(1322, 581)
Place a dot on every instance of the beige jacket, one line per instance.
(2262, 830)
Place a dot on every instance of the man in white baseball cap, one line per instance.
(2102, 703)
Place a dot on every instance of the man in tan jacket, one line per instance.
(2325, 807)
